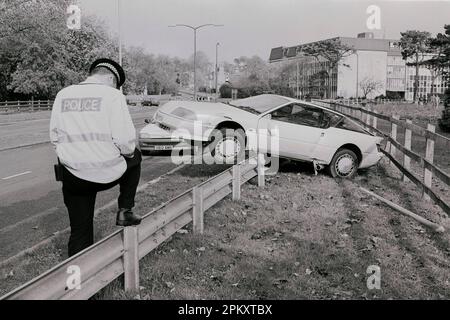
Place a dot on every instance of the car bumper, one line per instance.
(370, 159)
(162, 145)
(157, 139)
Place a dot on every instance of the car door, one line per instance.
(300, 128)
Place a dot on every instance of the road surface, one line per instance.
(31, 205)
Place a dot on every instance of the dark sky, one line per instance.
(255, 26)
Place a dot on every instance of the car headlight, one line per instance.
(185, 114)
(158, 117)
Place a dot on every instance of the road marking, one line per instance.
(29, 219)
(16, 175)
(96, 213)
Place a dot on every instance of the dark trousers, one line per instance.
(79, 198)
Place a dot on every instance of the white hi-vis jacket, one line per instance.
(92, 130)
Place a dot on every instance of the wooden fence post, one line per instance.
(406, 159)
(260, 169)
(197, 210)
(131, 258)
(236, 182)
(375, 119)
(429, 155)
(393, 136)
(368, 117)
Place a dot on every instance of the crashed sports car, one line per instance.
(305, 131)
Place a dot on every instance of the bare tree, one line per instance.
(369, 85)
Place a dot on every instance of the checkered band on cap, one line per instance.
(111, 68)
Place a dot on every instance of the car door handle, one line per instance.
(322, 134)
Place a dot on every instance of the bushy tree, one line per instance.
(41, 54)
(158, 74)
(331, 51)
(225, 90)
(204, 68)
(442, 61)
(414, 45)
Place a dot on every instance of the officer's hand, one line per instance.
(129, 156)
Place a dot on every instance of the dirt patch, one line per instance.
(304, 237)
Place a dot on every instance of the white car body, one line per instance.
(296, 141)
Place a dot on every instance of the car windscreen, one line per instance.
(259, 104)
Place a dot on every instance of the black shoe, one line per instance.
(126, 217)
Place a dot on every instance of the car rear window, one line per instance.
(348, 125)
(261, 103)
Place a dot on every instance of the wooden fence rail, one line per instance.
(120, 252)
(369, 119)
(25, 106)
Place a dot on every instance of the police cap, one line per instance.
(112, 66)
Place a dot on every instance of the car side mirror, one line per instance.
(147, 121)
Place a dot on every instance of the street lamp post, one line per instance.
(217, 69)
(120, 32)
(297, 82)
(357, 76)
(195, 48)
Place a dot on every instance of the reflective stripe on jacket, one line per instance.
(92, 130)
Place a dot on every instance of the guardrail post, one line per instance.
(406, 159)
(236, 182)
(131, 258)
(260, 169)
(197, 210)
(429, 155)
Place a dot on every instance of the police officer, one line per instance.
(95, 142)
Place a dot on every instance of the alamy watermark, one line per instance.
(74, 19)
(73, 281)
(374, 279)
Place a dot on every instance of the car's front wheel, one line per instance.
(228, 146)
(344, 164)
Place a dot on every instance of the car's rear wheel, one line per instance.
(344, 164)
(228, 145)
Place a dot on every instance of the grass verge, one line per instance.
(303, 237)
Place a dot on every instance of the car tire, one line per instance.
(227, 139)
(344, 164)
